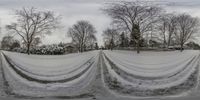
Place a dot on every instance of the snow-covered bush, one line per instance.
(49, 50)
(9, 43)
(44, 50)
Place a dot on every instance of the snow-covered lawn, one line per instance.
(152, 73)
(33, 75)
(97, 73)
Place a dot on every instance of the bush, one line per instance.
(44, 50)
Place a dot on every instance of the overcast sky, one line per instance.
(74, 10)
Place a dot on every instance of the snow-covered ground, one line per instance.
(103, 75)
(152, 73)
(39, 76)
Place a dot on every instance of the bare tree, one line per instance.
(136, 17)
(171, 28)
(111, 36)
(162, 29)
(167, 28)
(124, 40)
(186, 27)
(82, 34)
(31, 23)
(90, 44)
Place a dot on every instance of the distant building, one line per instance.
(69, 48)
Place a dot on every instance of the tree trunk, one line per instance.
(138, 38)
(164, 43)
(168, 44)
(135, 36)
(138, 47)
(169, 40)
(181, 47)
(81, 48)
(28, 49)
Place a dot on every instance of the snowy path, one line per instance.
(101, 75)
(2, 87)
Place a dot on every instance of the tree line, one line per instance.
(138, 24)
(32, 24)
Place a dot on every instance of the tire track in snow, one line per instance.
(110, 94)
(119, 70)
(29, 78)
(119, 95)
(5, 89)
(79, 95)
(27, 71)
(196, 90)
(2, 82)
(99, 87)
(101, 91)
